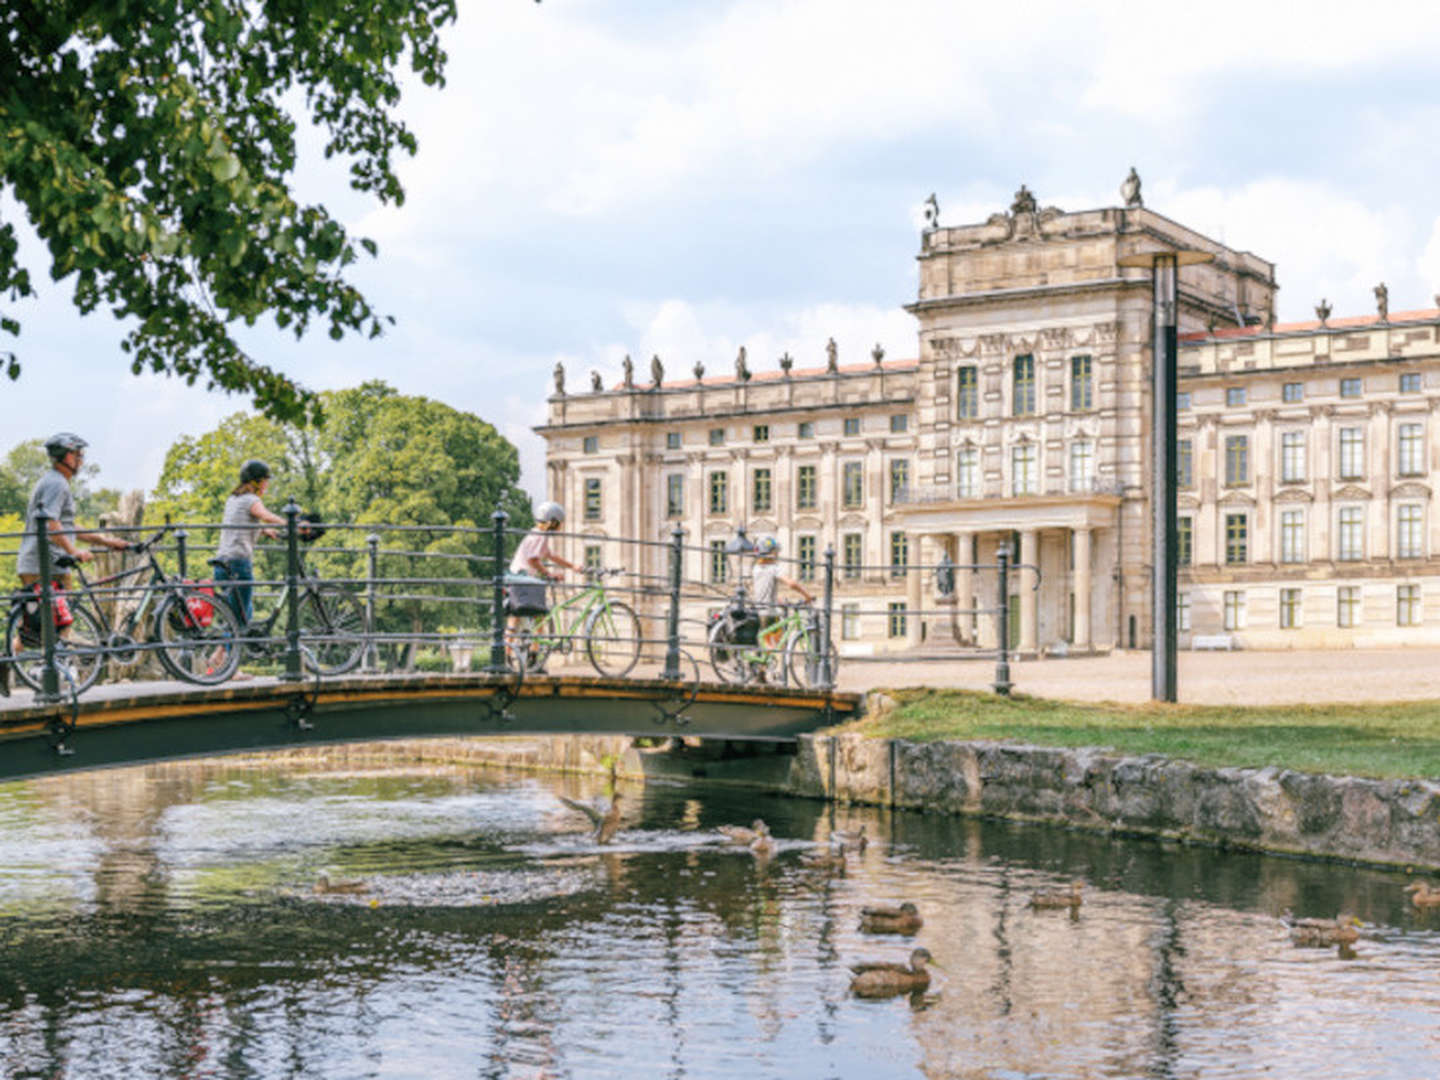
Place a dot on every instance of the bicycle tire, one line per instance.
(802, 661)
(81, 650)
(332, 630)
(193, 652)
(613, 651)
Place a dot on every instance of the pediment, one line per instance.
(1187, 502)
(809, 521)
(1351, 491)
(1294, 495)
(1411, 489)
(761, 527)
(1238, 498)
(853, 520)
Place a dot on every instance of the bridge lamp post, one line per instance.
(1164, 266)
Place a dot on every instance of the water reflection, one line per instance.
(162, 921)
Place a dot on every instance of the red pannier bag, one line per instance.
(200, 599)
(61, 606)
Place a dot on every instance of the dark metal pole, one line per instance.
(497, 609)
(1165, 538)
(292, 671)
(181, 557)
(49, 673)
(1002, 651)
(672, 624)
(372, 544)
(827, 677)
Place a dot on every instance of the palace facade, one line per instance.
(1307, 456)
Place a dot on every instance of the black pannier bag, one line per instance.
(746, 622)
(525, 595)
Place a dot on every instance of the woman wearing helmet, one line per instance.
(765, 582)
(235, 556)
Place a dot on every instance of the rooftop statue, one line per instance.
(742, 371)
(786, 363)
(832, 356)
(1382, 301)
(878, 354)
(559, 378)
(699, 370)
(595, 384)
(657, 371)
(1130, 189)
(1024, 202)
(629, 366)
(1322, 310)
(932, 213)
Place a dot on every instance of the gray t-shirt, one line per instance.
(237, 542)
(53, 498)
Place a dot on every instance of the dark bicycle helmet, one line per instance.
(254, 470)
(62, 442)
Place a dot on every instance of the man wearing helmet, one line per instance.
(53, 498)
(534, 551)
(765, 582)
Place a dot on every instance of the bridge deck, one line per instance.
(129, 723)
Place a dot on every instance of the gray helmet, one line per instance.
(254, 470)
(62, 442)
(767, 545)
(550, 511)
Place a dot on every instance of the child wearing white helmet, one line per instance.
(534, 551)
(765, 582)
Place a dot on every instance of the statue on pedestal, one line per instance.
(742, 371)
(932, 213)
(1130, 190)
(786, 363)
(657, 371)
(1322, 310)
(629, 366)
(1024, 201)
(832, 356)
(559, 378)
(878, 354)
(595, 384)
(1382, 301)
(699, 370)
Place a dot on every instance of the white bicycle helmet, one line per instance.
(550, 511)
(767, 545)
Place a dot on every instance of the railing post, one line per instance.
(372, 544)
(672, 623)
(827, 677)
(1002, 654)
(49, 673)
(292, 671)
(497, 608)
(181, 558)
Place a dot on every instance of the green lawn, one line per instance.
(1384, 740)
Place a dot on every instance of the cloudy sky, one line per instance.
(610, 176)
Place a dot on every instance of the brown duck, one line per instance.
(1342, 930)
(832, 862)
(1050, 901)
(325, 885)
(606, 822)
(738, 834)
(855, 841)
(1423, 894)
(904, 919)
(882, 979)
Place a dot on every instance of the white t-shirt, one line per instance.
(237, 542)
(536, 545)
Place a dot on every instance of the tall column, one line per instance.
(964, 584)
(914, 596)
(1082, 588)
(1029, 598)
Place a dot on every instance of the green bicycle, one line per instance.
(743, 651)
(609, 630)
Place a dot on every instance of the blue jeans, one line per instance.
(239, 595)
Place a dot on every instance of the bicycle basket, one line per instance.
(525, 596)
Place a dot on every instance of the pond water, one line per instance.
(162, 922)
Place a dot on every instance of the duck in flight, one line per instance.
(606, 822)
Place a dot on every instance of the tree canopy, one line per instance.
(152, 147)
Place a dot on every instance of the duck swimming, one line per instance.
(1342, 930)
(904, 919)
(1423, 894)
(325, 886)
(855, 841)
(882, 979)
(1049, 901)
(831, 861)
(738, 834)
(606, 823)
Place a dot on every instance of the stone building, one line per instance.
(1023, 421)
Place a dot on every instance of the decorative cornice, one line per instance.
(1350, 491)
(1294, 495)
(1410, 489)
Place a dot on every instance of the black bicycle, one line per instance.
(196, 637)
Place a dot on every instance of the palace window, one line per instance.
(849, 622)
(805, 429)
(719, 493)
(1182, 401)
(852, 554)
(1024, 473)
(591, 444)
(592, 499)
(1081, 397)
(899, 423)
(1023, 386)
(719, 562)
(1410, 382)
(760, 501)
(1292, 536)
(1184, 541)
(1182, 612)
(899, 480)
(1351, 388)
(1292, 457)
(1184, 464)
(1351, 539)
(592, 557)
(762, 432)
(1407, 605)
(898, 619)
(672, 440)
(1411, 457)
(1410, 531)
(1234, 609)
(1352, 453)
(805, 552)
(1347, 605)
(1293, 392)
(675, 495)
(967, 394)
(1237, 460)
(853, 485)
(1082, 464)
(899, 554)
(1289, 609)
(1235, 395)
(805, 486)
(967, 473)
(717, 436)
(852, 425)
(1237, 539)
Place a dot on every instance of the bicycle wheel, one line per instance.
(612, 639)
(79, 654)
(332, 630)
(189, 648)
(725, 653)
(802, 661)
